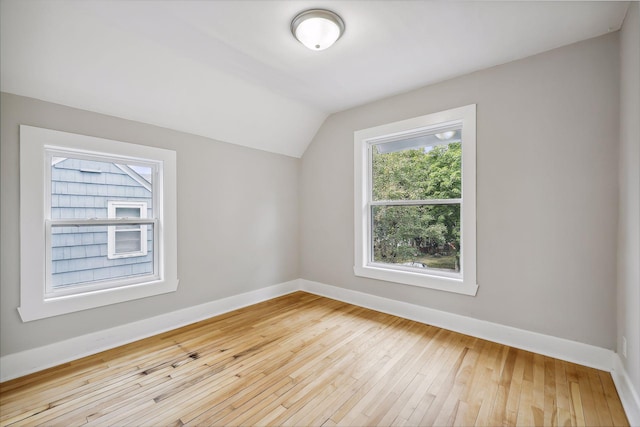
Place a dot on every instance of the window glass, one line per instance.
(79, 255)
(86, 187)
(418, 168)
(422, 236)
(81, 187)
(122, 212)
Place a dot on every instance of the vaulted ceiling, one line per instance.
(231, 70)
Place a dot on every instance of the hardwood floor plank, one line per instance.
(399, 395)
(600, 400)
(479, 381)
(499, 410)
(525, 405)
(550, 406)
(538, 389)
(301, 359)
(321, 347)
(445, 355)
(399, 361)
(577, 405)
(587, 397)
(443, 410)
(563, 394)
(613, 400)
(515, 389)
(441, 388)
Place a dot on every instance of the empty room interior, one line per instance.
(332, 213)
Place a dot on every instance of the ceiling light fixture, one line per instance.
(317, 29)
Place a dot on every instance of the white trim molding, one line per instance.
(34, 360)
(29, 361)
(559, 348)
(547, 345)
(629, 395)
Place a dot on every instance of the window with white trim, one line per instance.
(415, 201)
(98, 222)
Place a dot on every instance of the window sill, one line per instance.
(447, 284)
(39, 308)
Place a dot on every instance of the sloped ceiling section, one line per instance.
(231, 71)
(93, 56)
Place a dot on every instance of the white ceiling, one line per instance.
(231, 71)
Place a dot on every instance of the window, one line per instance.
(415, 201)
(125, 241)
(98, 222)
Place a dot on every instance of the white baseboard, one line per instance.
(29, 361)
(33, 360)
(628, 393)
(559, 348)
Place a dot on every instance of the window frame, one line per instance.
(37, 300)
(462, 283)
(112, 231)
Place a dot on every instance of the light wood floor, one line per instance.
(306, 360)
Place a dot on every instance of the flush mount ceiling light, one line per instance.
(317, 29)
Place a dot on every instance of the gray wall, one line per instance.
(629, 223)
(547, 192)
(237, 221)
(547, 187)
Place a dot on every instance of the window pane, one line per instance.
(425, 236)
(127, 212)
(80, 255)
(420, 168)
(128, 241)
(82, 188)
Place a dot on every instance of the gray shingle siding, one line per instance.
(82, 189)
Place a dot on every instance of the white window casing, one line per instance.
(38, 298)
(463, 282)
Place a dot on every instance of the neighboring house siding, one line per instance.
(82, 189)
